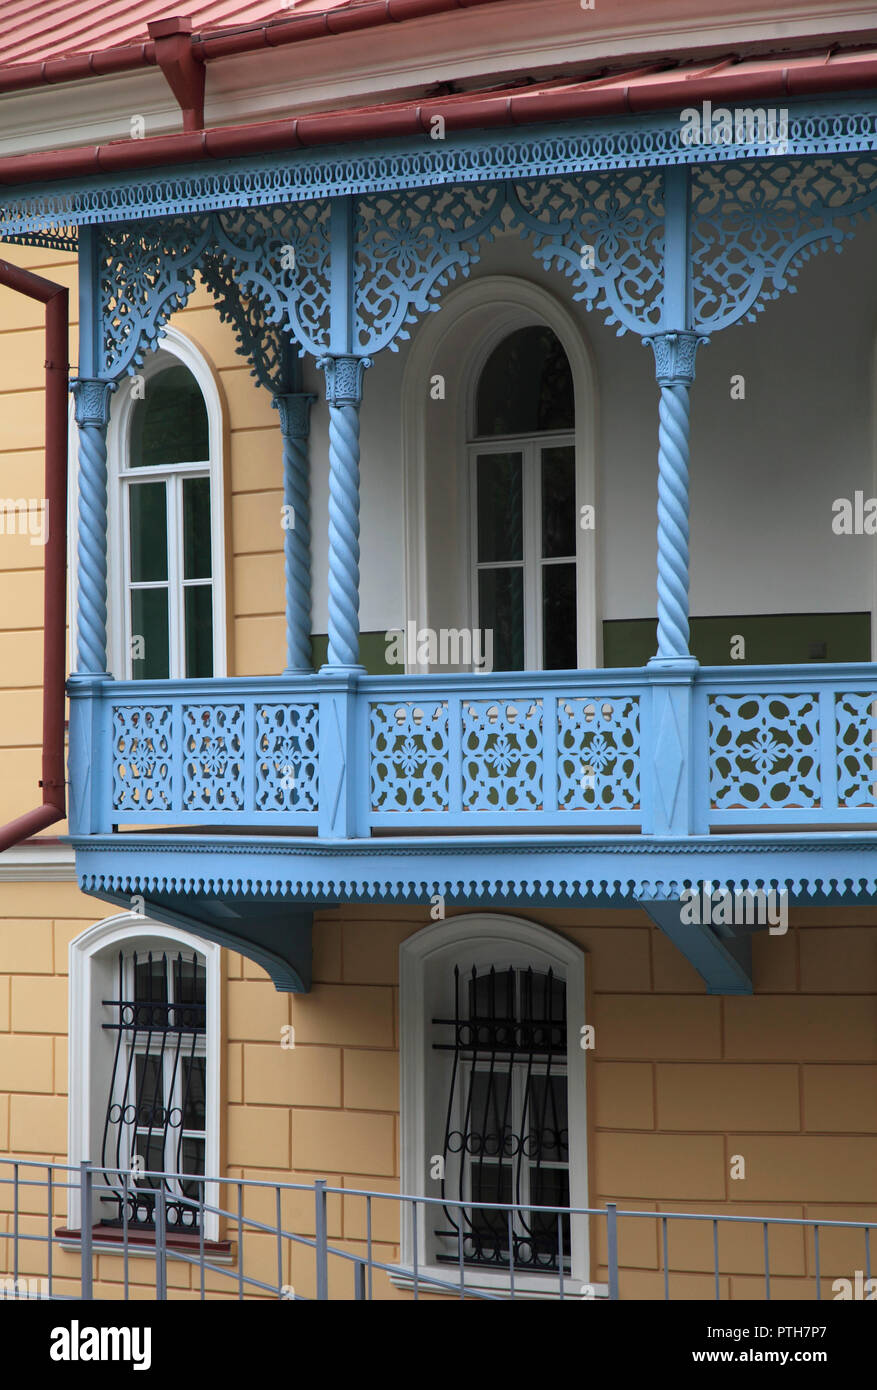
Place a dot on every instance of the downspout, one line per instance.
(55, 297)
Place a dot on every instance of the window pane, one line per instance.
(500, 507)
(199, 629)
(150, 1091)
(558, 503)
(547, 1123)
(150, 643)
(190, 981)
(489, 1129)
(196, 528)
(151, 1149)
(150, 979)
(491, 1182)
(501, 609)
(559, 637)
(194, 1081)
(148, 513)
(549, 1187)
(526, 386)
(492, 995)
(170, 424)
(192, 1161)
(540, 1000)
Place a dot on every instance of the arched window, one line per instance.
(166, 551)
(144, 1068)
(493, 1101)
(523, 462)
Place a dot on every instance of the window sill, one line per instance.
(529, 1286)
(143, 1244)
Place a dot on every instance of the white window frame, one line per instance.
(93, 964)
(532, 562)
(475, 318)
(174, 349)
(482, 940)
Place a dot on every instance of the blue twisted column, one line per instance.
(674, 367)
(294, 409)
(344, 375)
(92, 400)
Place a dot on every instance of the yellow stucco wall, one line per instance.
(254, 573)
(679, 1083)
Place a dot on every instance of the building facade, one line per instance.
(432, 829)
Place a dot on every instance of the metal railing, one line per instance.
(35, 1196)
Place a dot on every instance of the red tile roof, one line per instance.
(32, 31)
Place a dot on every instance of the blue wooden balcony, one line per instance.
(603, 751)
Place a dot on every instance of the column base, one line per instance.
(673, 663)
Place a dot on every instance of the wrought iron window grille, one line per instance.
(156, 1107)
(506, 1135)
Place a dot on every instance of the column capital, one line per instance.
(344, 374)
(294, 409)
(675, 353)
(92, 400)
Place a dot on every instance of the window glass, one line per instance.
(196, 528)
(526, 522)
(199, 629)
(558, 487)
(501, 610)
(170, 424)
(149, 634)
(147, 503)
(170, 563)
(500, 507)
(559, 634)
(526, 386)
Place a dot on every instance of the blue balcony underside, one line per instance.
(241, 804)
(230, 883)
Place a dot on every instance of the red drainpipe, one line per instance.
(55, 297)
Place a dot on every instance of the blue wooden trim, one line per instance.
(830, 125)
(675, 750)
(547, 870)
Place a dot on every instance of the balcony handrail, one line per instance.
(347, 756)
(517, 1279)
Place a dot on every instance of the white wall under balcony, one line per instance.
(765, 470)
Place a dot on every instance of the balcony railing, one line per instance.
(580, 751)
(312, 1241)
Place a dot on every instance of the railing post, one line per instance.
(321, 1245)
(88, 749)
(86, 1206)
(672, 747)
(612, 1236)
(160, 1244)
(343, 756)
